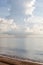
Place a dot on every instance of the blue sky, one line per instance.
(4, 8)
(39, 8)
(23, 14)
(18, 6)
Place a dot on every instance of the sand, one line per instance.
(8, 60)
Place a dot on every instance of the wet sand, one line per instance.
(8, 60)
(1, 63)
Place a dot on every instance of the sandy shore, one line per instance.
(17, 61)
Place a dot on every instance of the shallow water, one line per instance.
(28, 47)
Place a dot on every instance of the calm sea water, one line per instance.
(28, 47)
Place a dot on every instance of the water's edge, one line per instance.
(17, 61)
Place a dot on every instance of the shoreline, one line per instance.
(18, 61)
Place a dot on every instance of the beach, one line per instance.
(8, 60)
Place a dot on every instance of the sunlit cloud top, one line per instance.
(21, 15)
(29, 7)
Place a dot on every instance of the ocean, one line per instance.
(29, 46)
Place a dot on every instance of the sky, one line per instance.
(21, 16)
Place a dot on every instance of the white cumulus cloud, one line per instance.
(34, 19)
(36, 28)
(29, 7)
(37, 24)
(7, 25)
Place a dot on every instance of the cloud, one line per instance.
(29, 20)
(29, 7)
(37, 24)
(28, 30)
(36, 28)
(33, 24)
(34, 19)
(7, 25)
(29, 10)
